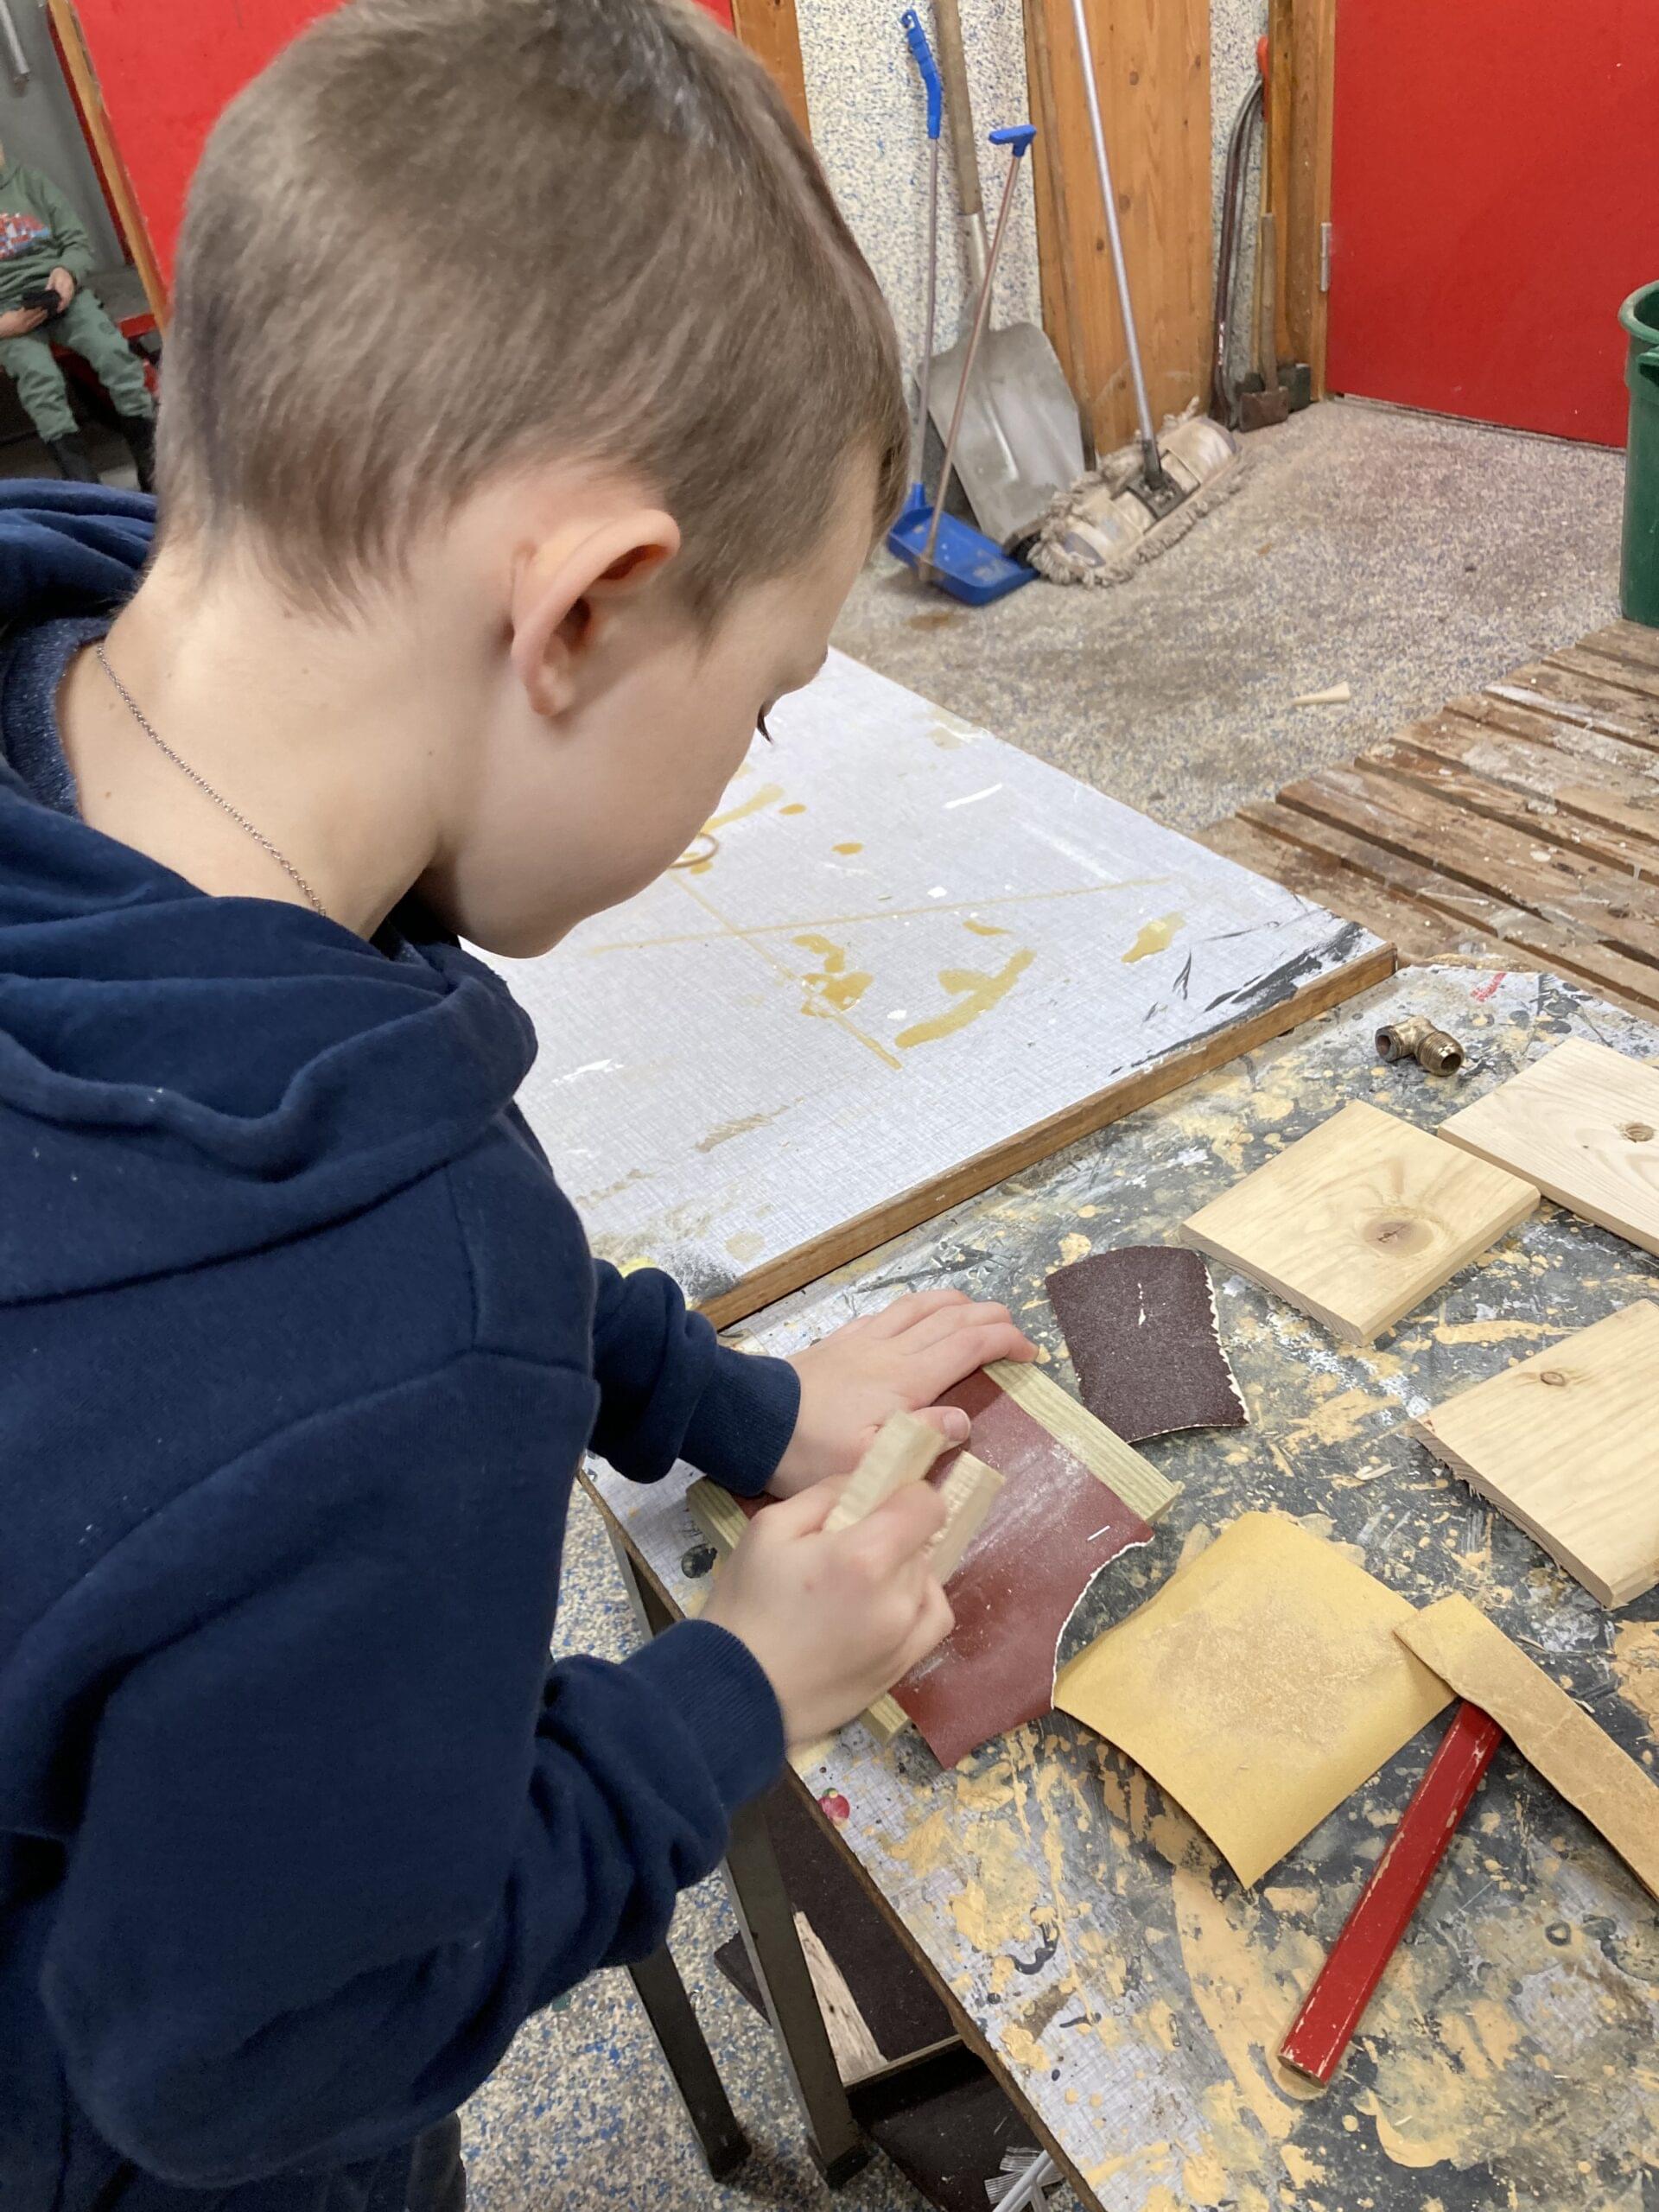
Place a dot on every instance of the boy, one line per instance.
(46, 257)
(495, 512)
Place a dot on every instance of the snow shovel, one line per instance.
(1020, 441)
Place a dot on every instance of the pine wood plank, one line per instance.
(1153, 59)
(1118, 1465)
(1583, 1123)
(71, 42)
(1356, 1221)
(1475, 1657)
(1567, 1444)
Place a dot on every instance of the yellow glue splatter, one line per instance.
(1154, 937)
(762, 797)
(975, 994)
(796, 809)
(984, 929)
(851, 846)
(835, 987)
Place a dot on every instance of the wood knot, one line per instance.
(1639, 1132)
(1397, 1233)
(1552, 1379)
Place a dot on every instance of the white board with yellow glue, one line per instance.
(904, 961)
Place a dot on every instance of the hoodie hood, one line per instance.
(249, 1070)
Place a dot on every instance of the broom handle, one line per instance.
(1017, 137)
(1154, 467)
(947, 21)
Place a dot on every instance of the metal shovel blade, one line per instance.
(1020, 442)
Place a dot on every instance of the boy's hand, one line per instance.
(18, 323)
(900, 1360)
(834, 1621)
(63, 284)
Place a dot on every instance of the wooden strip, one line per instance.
(1307, 202)
(969, 1491)
(722, 1520)
(1595, 685)
(1475, 1659)
(1348, 1979)
(905, 1448)
(1583, 755)
(1542, 702)
(1372, 965)
(769, 30)
(1530, 804)
(1558, 943)
(77, 61)
(1582, 1123)
(1484, 855)
(1416, 932)
(1121, 1468)
(1631, 642)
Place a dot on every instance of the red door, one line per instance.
(1493, 200)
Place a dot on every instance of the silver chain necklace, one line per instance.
(202, 783)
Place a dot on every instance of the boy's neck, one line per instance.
(333, 741)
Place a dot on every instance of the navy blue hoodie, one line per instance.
(300, 1347)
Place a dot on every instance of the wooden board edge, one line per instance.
(1607, 1594)
(1102, 1451)
(1344, 1332)
(770, 31)
(75, 56)
(805, 1263)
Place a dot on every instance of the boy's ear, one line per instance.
(568, 586)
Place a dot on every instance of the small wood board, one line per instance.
(1582, 1123)
(1567, 1444)
(1358, 1222)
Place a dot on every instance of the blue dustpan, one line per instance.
(966, 563)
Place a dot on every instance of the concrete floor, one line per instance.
(1406, 555)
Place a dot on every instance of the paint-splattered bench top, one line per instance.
(1128, 1991)
(903, 960)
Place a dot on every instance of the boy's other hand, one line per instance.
(63, 284)
(834, 1621)
(897, 1361)
(18, 323)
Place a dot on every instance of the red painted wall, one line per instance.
(1493, 201)
(166, 69)
(719, 9)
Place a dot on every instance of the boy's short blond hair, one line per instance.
(437, 238)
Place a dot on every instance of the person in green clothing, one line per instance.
(44, 250)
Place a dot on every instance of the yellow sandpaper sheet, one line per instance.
(1259, 1689)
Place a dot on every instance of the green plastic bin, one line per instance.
(1639, 574)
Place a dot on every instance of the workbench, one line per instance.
(1090, 1944)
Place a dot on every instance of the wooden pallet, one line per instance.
(1520, 825)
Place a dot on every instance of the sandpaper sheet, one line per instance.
(1054, 1526)
(1259, 1687)
(1052, 1529)
(1139, 1324)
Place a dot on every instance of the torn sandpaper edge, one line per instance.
(1142, 1327)
(1054, 1526)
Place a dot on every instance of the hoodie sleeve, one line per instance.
(75, 248)
(670, 1390)
(342, 1834)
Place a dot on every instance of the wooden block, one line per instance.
(1567, 1444)
(1356, 1223)
(1583, 1123)
(722, 1520)
(1121, 1468)
(969, 1492)
(1475, 1658)
(904, 1450)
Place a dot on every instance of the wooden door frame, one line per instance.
(1302, 51)
(770, 31)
